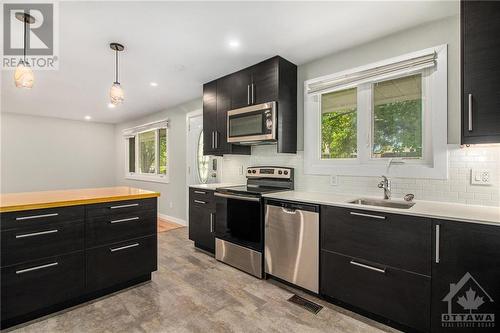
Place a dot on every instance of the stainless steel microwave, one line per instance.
(252, 124)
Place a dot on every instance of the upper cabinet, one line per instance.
(480, 28)
(273, 80)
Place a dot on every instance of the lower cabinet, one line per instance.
(202, 219)
(465, 277)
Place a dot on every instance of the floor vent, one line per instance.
(308, 305)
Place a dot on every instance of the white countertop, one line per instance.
(431, 209)
(213, 186)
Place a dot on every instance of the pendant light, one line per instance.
(23, 76)
(116, 92)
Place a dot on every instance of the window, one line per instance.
(147, 152)
(202, 161)
(384, 118)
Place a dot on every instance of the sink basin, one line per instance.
(383, 203)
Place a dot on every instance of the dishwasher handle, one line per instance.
(292, 206)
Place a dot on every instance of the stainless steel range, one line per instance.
(239, 225)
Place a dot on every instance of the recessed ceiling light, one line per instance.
(111, 105)
(88, 117)
(234, 43)
(153, 84)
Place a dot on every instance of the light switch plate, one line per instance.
(334, 180)
(480, 177)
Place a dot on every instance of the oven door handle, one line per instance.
(238, 197)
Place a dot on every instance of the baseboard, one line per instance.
(173, 219)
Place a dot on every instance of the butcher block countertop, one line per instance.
(11, 202)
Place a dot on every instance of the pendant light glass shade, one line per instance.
(116, 94)
(23, 76)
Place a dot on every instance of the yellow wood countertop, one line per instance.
(11, 202)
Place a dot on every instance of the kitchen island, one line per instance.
(62, 248)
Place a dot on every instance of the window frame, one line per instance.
(434, 162)
(149, 177)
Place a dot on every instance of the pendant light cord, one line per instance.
(116, 66)
(24, 50)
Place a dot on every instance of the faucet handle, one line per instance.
(409, 197)
(381, 184)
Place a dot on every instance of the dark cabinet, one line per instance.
(209, 118)
(240, 93)
(480, 25)
(465, 276)
(202, 219)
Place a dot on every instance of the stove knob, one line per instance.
(280, 172)
(254, 171)
(286, 172)
(249, 171)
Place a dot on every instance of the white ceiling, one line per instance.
(181, 45)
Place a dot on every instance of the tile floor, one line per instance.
(192, 292)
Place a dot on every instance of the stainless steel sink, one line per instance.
(383, 203)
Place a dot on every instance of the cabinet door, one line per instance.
(209, 117)
(265, 81)
(480, 71)
(465, 274)
(201, 225)
(223, 105)
(240, 89)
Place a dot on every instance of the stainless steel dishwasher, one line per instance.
(291, 244)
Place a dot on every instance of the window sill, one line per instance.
(148, 178)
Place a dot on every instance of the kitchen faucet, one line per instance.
(386, 185)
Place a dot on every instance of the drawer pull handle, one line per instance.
(437, 244)
(37, 268)
(212, 223)
(124, 206)
(37, 233)
(379, 270)
(114, 249)
(200, 202)
(125, 220)
(35, 216)
(200, 192)
(368, 215)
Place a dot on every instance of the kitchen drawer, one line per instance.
(121, 207)
(39, 284)
(102, 230)
(202, 198)
(34, 218)
(120, 262)
(395, 240)
(397, 295)
(40, 241)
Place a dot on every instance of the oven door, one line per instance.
(239, 220)
(252, 124)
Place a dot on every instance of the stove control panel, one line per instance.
(269, 172)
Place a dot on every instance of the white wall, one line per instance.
(172, 201)
(39, 153)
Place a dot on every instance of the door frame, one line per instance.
(189, 115)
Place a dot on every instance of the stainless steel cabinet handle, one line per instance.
(200, 192)
(37, 233)
(213, 140)
(114, 249)
(238, 197)
(368, 215)
(470, 112)
(437, 244)
(35, 216)
(125, 220)
(216, 136)
(200, 202)
(248, 94)
(212, 227)
(124, 206)
(37, 268)
(379, 270)
(253, 94)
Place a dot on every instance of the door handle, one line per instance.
(114, 249)
(212, 225)
(470, 112)
(216, 136)
(124, 206)
(253, 93)
(437, 244)
(368, 215)
(200, 202)
(200, 192)
(125, 220)
(37, 268)
(213, 140)
(35, 216)
(248, 94)
(33, 234)
(376, 269)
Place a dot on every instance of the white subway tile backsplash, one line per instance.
(456, 188)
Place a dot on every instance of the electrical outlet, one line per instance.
(334, 180)
(241, 170)
(480, 177)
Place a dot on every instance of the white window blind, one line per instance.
(402, 67)
(131, 132)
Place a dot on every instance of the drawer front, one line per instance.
(44, 240)
(35, 218)
(201, 197)
(394, 240)
(397, 295)
(110, 229)
(120, 262)
(122, 207)
(42, 283)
